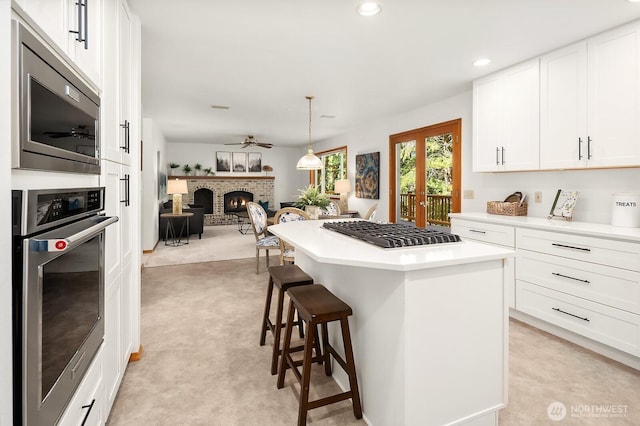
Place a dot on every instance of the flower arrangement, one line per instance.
(311, 196)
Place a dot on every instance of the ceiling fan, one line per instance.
(251, 141)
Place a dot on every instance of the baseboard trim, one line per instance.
(136, 356)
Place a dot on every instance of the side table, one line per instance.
(176, 239)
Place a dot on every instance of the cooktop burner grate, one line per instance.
(391, 235)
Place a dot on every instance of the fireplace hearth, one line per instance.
(236, 201)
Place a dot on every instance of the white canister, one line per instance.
(626, 210)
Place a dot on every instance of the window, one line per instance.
(335, 168)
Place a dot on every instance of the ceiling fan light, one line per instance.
(309, 161)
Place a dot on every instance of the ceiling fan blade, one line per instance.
(264, 145)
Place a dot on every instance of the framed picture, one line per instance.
(239, 162)
(563, 204)
(254, 161)
(368, 175)
(223, 161)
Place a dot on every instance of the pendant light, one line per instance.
(309, 161)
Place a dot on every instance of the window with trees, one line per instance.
(335, 168)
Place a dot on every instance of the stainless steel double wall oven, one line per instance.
(58, 292)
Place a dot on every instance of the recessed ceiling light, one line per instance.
(633, 1)
(220, 107)
(369, 8)
(481, 62)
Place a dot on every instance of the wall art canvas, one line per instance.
(223, 161)
(368, 175)
(239, 162)
(162, 179)
(254, 162)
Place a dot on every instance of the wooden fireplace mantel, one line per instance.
(223, 177)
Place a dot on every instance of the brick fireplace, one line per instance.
(260, 186)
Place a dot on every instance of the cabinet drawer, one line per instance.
(613, 327)
(618, 288)
(484, 232)
(620, 254)
(88, 401)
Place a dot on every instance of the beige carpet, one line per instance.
(217, 243)
(202, 364)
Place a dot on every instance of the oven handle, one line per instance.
(62, 244)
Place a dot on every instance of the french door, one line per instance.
(424, 174)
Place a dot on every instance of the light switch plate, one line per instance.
(467, 194)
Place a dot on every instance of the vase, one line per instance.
(312, 211)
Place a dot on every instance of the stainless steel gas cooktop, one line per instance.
(391, 235)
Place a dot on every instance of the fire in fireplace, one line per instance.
(236, 201)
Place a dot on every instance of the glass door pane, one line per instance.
(438, 175)
(406, 182)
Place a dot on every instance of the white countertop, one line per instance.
(330, 247)
(544, 224)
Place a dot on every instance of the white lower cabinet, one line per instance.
(580, 281)
(87, 405)
(613, 327)
(497, 235)
(588, 285)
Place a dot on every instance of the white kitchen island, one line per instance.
(429, 324)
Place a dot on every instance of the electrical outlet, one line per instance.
(467, 194)
(538, 197)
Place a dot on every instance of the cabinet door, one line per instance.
(87, 56)
(614, 97)
(52, 17)
(487, 111)
(563, 108)
(521, 116)
(125, 76)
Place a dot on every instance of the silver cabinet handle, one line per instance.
(476, 231)
(570, 247)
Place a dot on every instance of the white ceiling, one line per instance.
(261, 58)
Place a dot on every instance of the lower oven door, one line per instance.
(62, 315)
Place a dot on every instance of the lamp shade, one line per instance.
(177, 186)
(342, 186)
(309, 162)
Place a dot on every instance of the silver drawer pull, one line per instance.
(571, 278)
(476, 231)
(570, 247)
(573, 315)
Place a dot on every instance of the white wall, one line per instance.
(595, 186)
(283, 160)
(6, 400)
(154, 145)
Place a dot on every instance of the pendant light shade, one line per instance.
(309, 161)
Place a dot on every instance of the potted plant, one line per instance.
(208, 171)
(172, 168)
(312, 200)
(198, 168)
(186, 169)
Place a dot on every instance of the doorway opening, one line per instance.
(425, 174)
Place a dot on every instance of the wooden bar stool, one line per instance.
(283, 277)
(318, 306)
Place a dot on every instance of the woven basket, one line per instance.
(506, 209)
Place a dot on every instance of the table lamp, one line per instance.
(343, 187)
(177, 188)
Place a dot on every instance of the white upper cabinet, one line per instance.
(506, 119)
(590, 102)
(75, 26)
(613, 111)
(563, 108)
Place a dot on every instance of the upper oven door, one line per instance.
(59, 115)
